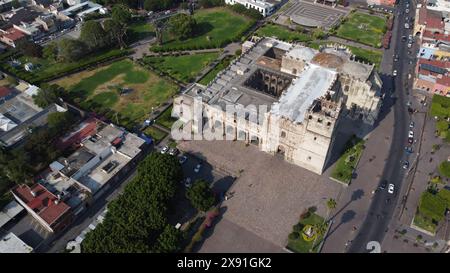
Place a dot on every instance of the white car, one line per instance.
(409, 45)
(165, 149)
(197, 168)
(394, 73)
(411, 134)
(411, 124)
(391, 188)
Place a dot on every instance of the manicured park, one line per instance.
(431, 209)
(215, 28)
(363, 28)
(129, 90)
(346, 164)
(308, 234)
(440, 109)
(183, 68)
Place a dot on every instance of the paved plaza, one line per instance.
(313, 15)
(268, 197)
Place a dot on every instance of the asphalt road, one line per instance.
(384, 204)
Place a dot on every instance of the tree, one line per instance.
(50, 51)
(47, 95)
(318, 34)
(30, 49)
(16, 4)
(121, 14)
(59, 121)
(70, 50)
(200, 195)
(93, 35)
(331, 204)
(115, 31)
(182, 25)
(168, 241)
(137, 220)
(158, 5)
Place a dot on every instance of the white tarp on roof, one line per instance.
(6, 124)
(311, 84)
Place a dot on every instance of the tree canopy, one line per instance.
(93, 35)
(137, 220)
(200, 195)
(47, 95)
(182, 25)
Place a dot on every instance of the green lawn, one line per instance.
(183, 68)
(440, 108)
(282, 33)
(349, 159)
(444, 169)
(166, 119)
(48, 69)
(431, 209)
(424, 223)
(155, 133)
(224, 63)
(140, 30)
(363, 28)
(215, 28)
(100, 90)
(300, 245)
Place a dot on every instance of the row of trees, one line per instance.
(241, 9)
(137, 220)
(94, 36)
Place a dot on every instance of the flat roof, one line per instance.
(9, 211)
(311, 84)
(10, 243)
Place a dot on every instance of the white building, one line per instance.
(10, 243)
(266, 8)
(286, 99)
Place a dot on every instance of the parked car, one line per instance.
(409, 149)
(410, 140)
(173, 151)
(383, 184)
(411, 124)
(406, 25)
(396, 58)
(197, 168)
(188, 182)
(182, 159)
(165, 149)
(391, 188)
(394, 73)
(410, 134)
(405, 164)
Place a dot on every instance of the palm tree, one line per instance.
(331, 204)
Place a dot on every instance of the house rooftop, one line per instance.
(42, 202)
(10, 243)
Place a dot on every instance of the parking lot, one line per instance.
(266, 199)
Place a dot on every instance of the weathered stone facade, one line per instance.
(292, 99)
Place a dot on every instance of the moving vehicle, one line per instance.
(391, 188)
(396, 58)
(406, 25)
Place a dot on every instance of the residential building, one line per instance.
(19, 114)
(79, 11)
(12, 37)
(10, 243)
(47, 208)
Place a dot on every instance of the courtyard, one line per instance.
(128, 89)
(267, 198)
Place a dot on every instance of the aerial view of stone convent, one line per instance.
(224, 126)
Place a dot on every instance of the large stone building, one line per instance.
(305, 93)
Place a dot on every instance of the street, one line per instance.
(383, 205)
